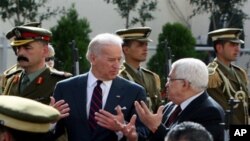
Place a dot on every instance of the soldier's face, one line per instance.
(32, 55)
(105, 65)
(228, 51)
(137, 51)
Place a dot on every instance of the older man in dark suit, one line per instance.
(100, 90)
(187, 82)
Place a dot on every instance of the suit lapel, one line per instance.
(114, 96)
(192, 107)
(80, 97)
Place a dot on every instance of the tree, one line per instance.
(224, 13)
(125, 7)
(144, 12)
(71, 28)
(180, 41)
(19, 12)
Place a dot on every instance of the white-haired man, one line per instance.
(189, 101)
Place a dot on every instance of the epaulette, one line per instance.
(156, 76)
(214, 77)
(146, 70)
(241, 70)
(60, 73)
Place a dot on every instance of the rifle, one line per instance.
(75, 56)
(167, 66)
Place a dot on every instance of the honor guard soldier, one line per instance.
(23, 119)
(228, 82)
(135, 49)
(33, 79)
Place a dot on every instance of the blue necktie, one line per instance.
(95, 105)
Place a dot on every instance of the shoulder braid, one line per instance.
(214, 77)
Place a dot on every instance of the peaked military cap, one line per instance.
(139, 33)
(227, 34)
(26, 115)
(25, 34)
(34, 24)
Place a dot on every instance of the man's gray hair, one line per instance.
(103, 40)
(193, 70)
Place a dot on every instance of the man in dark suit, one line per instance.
(117, 95)
(187, 82)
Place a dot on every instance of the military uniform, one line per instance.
(229, 82)
(149, 80)
(226, 83)
(42, 81)
(40, 89)
(137, 38)
(11, 70)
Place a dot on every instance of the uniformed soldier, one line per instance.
(135, 49)
(33, 79)
(15, 67)
(22, 119)
(226, 80)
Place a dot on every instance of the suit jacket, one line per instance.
(203, 110)
(74, 91)
(40, 89)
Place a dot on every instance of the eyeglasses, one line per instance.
(173, 79)
(52, 58)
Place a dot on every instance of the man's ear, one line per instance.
(219, 47)
(125, 49)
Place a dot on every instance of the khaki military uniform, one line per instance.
(40, 89)
(149, 80)
(225, 83)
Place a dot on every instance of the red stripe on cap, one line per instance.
(35, 36)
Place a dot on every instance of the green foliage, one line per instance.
(144, 12)
(71, 28)
(125, 7)
(181, 42)
(224, 13)
(19, 12)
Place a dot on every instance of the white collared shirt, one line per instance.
(91, 83)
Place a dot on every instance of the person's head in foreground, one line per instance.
(23, 119)
(188, 131)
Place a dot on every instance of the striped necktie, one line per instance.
(95, 105)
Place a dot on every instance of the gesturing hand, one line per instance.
(61, 106)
